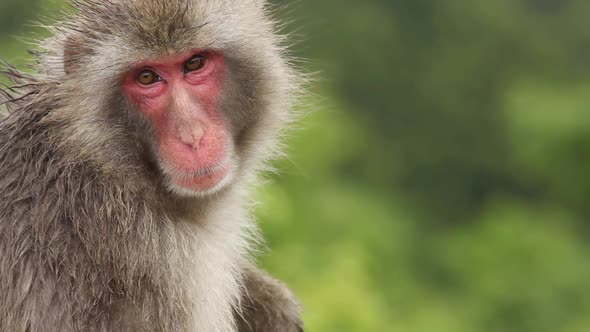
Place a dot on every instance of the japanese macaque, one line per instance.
(126, 163)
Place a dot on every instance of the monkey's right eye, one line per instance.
(147, 77)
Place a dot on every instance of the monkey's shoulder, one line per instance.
(268, 305)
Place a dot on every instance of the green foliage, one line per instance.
(439, 182)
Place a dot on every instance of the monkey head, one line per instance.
(199, 91)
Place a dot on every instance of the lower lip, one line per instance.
(203, 182)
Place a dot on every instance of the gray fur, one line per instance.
(91, 239)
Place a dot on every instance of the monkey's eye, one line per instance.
(147, 77)
(195, 63)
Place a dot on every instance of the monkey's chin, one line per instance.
(201, 183)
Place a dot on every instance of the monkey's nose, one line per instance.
(191, 135)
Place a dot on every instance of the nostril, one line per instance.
(198, 136)
(190, 146)
(191, 137)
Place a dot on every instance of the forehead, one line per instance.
(172, 26)
(115, 35)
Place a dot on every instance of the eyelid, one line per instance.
(203, 62)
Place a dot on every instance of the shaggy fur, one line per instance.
(90, 237)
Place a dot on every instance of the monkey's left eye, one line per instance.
(195, 63)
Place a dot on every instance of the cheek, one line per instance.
(208, 95)
(151, 110)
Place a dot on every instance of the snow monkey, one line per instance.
(126, 167)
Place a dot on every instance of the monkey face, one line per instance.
(179, 96)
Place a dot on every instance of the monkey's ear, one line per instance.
(74, 52)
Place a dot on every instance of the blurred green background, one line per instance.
(440, 181)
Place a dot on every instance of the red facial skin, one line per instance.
(191, 136)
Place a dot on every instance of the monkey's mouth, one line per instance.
(197, 172)
(203, 181)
